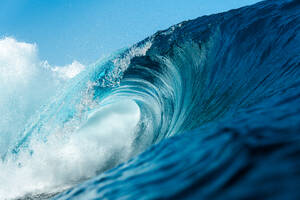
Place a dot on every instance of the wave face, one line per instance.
(213, 104)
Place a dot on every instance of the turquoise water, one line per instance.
(207, 109)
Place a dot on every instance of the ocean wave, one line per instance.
(213, 104)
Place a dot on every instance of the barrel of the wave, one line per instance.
(226, 87)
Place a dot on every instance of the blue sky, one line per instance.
(85, 30)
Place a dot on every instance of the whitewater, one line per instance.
(207, 109)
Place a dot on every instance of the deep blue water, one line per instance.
(219, 104)
(228, 91)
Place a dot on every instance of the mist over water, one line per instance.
(44, 151)
(207, 109)
(67, 158)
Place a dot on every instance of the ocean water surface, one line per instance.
(207, 109)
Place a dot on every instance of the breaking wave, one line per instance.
(213, 103)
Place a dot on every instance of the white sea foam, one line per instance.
(69, 71)
(26, 83)
(102, 140)
(122, 63)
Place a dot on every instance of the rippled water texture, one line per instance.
(208, 109)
